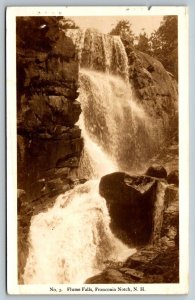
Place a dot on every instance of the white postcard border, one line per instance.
(12, 12)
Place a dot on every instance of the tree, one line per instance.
(123, 29)
(164, 43)
(67, 24)
(143, 43)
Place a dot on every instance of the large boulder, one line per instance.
(130, 201)
(156, 171)
(173, 177)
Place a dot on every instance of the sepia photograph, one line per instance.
(96, 184)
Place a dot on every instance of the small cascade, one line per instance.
(72, 240)
(96, 162)
(100, 52)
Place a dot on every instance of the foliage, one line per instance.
(123, 29)
(164, 43)
(143, 43)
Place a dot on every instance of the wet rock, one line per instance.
(109, 276)
(130, 201)
(82, 180)
(37, 158)
(21, 194)
(114, 273)
(133, 273)
(63, 136)
(154, 88)
(66, 188)
(161, 266)
(150, 68)
(171, 195)
(156, 171)
(75, 132)
(141, 257)
(62, 172)
(71, 162)
(167, 243)
(47, 108)
(45, 136)
(21, 198)
(37, 189)
(55, 185)
(152, 279)
(59, 129)
(173, 177)
(170, 225)
(120, 187)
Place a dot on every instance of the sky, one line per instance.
(105, 24)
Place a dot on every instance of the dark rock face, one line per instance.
(130, 201)
(173, 177)
(155, 89)
(156, 171)
(170, 224)
(46, 109)
(157, 261)
(49, 144)
(148, 266)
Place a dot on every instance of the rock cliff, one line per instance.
(156, 90)
(49, 143)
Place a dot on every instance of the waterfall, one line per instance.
(96, 162)
(113, 120)
(72, 240)
(100, 52)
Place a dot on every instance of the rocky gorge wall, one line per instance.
(49, 143)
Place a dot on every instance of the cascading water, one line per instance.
(115, 122)
(72, 240)
(100, 52)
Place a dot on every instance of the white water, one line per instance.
(72, 241)
(100, 162)
(114, 121)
